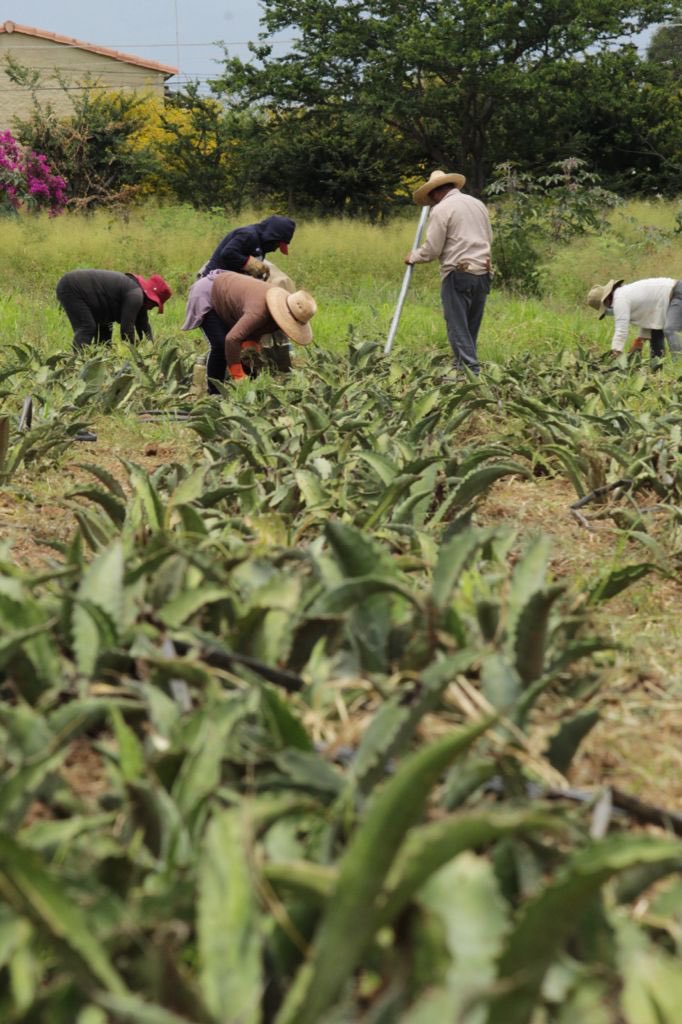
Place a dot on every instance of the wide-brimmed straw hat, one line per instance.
(436, 179)
(599, 293)
(155, 288)
(291, 312)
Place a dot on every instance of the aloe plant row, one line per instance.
(311, 694)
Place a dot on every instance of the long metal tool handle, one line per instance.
(405, 285)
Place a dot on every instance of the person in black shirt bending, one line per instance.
(94, 300)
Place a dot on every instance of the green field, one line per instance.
(353, 268)
(294, 683)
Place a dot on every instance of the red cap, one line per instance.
(155, 289)
(283, 247)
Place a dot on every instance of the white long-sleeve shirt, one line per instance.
(644, 303)
(459, 235)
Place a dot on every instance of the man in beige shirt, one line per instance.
(459, 236)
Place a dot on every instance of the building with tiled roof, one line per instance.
(71, 62)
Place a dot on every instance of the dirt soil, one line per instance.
(636, 745)
(33, 511)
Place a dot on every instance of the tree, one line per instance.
(666, 47)
(619, 113)
(447, 76)
(327, 161)
(534, 215)
(202, 160)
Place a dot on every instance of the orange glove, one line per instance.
(637, 345)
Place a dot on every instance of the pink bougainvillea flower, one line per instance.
(27, 180)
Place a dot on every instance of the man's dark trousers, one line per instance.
(464, 296)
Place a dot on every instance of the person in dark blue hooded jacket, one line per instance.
(244, 249)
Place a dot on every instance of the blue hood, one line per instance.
(274, 230)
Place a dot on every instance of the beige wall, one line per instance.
(74, 64)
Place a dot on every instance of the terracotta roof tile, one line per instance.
(126, 58)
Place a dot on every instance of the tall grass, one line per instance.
(641, 241)
(353, 269)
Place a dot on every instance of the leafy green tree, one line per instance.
(620, 113)
(327, 161)
(666, 47)
(202, 154)
(447, 77)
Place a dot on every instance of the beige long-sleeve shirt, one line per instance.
(458, 235)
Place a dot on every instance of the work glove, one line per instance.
(637, 345)
(256, 268)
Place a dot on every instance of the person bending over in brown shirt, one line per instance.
(232, 309)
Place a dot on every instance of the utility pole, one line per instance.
(177, 36)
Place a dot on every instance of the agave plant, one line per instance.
(311, 695)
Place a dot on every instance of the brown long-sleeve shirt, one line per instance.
(240, 303)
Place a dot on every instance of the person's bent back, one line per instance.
(94, 300)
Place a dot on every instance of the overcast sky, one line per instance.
(181, 33)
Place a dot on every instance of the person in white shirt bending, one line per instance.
(459, 236)
(653, 304)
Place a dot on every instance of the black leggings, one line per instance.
(215, 330)
(85, 328)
